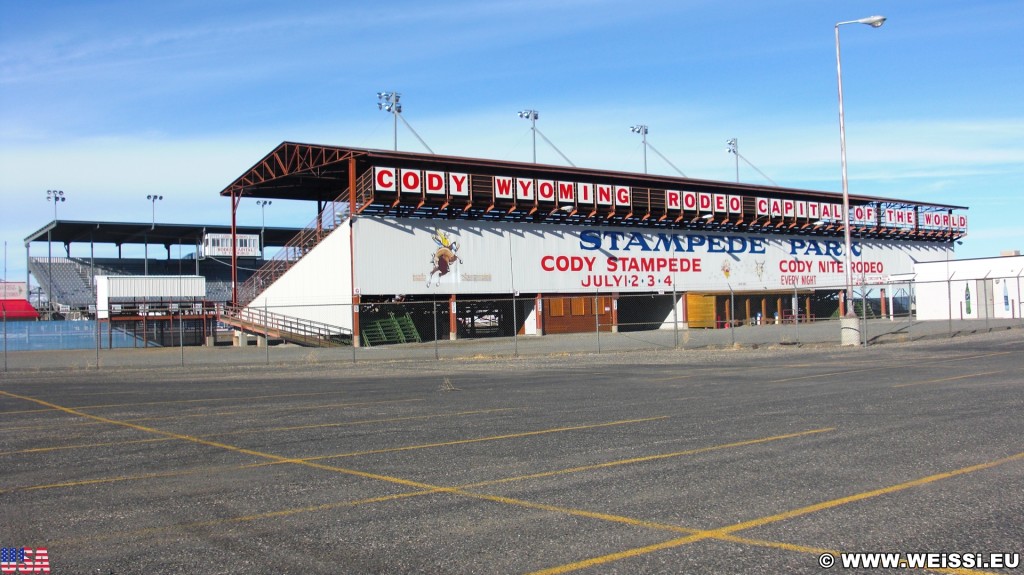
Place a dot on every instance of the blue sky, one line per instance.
(112, 101)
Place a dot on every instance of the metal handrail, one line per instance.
(332, 216)
(264, 320)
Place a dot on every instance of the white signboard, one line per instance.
(397, 256)
(13, 290)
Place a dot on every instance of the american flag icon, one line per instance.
(24, 560)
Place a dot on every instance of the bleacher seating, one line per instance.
(72, 283)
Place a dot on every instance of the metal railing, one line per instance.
(334, 214)
(288, 328)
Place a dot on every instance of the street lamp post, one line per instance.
(55, 196)
(642, 130)
(874, 22)
(263, 221)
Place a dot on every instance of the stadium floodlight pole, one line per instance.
(55, 196)
(263, 221)
(389, 102)
(874, 22)
(734, 149)
(667, 161)
(153, 199)
(642, 130)
(152, 226)
(532, 116)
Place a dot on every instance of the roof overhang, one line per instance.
(119, 233)
(310, 172)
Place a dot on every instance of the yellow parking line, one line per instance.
(171, 401)
(424, 488)
(260, 409)
(482, 439)
(96, 423)
(954, 378)
(81, 446)
(247, 518)
(462, 491)
(818, 551)
(724, 532)
(362, 422)
(646, 458)
(314, 458)
(209, 443)
(877, 366)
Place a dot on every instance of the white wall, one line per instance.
(319, 286)
(994, 286)
(393, 256)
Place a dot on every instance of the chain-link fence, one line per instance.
(531, 325)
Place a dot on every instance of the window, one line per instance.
(579, 306)
(556, 307)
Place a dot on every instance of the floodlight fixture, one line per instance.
(389, 102)
(532, 116)
(55, 196)
(263, 221)
(153, 198)
(734, 149)
(642, 130)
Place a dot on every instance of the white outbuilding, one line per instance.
(980, 288)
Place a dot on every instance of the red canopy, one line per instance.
(17, 309)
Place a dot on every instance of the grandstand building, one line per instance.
(542, 249)
(68, 283)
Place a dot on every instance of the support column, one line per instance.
(615, 312)
(352, 252)
(453, 320)
(538, 308)
(355, 320)
(234, 243)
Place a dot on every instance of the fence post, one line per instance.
(864, 309)
(732, 315)
(796, 315)
(983, 304)
(515, 327)
(597, 322)
(949, 301)
(675, 318)
(181, 333)
(437, 356)
(1019, 315)
(99, 334)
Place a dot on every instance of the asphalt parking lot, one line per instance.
(709, 461)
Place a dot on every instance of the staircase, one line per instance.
(290, 329)
(859, 309)
(392, 329)
(334, 214)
